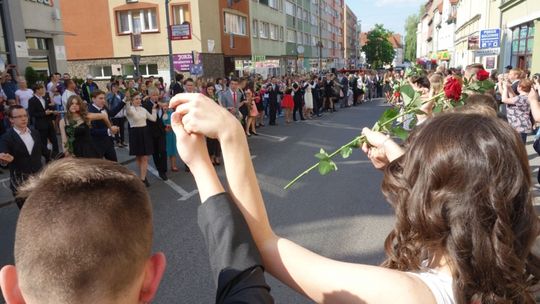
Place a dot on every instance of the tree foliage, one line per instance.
(378, 49)
(411, 26)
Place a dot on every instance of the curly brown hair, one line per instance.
(462, 191)
(83, 109)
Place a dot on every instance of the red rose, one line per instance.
(482, 75)
(452, 88)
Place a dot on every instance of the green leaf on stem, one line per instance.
(346, 152)
(389, 114)
(400, 132)
(408, 93)
(326, 166)
(438, 108)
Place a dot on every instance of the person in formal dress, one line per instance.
(114, 98)
(23, 93)
(450, 224)
(157, 131)
(298, 98)
(329, 94)
(75, 128)
(21, 150)
(141, 140)
(101, 133)
(252, 112)
(231, 98)
(274, 91)
(169, 136)
(214, 148)
(42, 116)
(288, 105)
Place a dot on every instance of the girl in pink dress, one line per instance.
(288, 104)
(252, 112)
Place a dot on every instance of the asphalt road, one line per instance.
(342, 215)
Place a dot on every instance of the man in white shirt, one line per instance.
(23, 94)
(21, 150)
(68, 92)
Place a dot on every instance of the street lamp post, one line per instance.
(168, 20)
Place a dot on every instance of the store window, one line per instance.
(145, 69)
(101, 71)
(181, 14)
(235, 24)
(137, 21)
(522, 45)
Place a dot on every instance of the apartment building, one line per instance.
(108, 32)
(32, 35)
(351, 42)
(268, 47)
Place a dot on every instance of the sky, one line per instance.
(391, 13)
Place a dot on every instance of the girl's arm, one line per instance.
(63, 135)
(319, 278)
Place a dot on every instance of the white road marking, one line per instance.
(178, 189)
(278, 138)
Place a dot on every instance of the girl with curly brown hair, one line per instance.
(465, 222)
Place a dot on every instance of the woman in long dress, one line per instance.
(75, 128)
(170, 139)
(140, 139)
(308, 101)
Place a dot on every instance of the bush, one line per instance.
(31, 76)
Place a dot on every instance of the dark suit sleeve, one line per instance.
(235, 261)
(33, 112)
(116, 109)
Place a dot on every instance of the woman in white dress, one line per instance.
(308, 100)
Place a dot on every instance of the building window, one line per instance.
(290, 8)
(299, 38)
(101, 71)
(281, 33)
(181, 14)
(291, 36)
(37, 43)
(275, 4)
(522, 45)
(150, 69)
(299, 12)
(274, 32)
(137, 21)
(306, 38)
(264, 30)
(255, 28)
(235, 24)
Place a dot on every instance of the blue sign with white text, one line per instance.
(490, 38)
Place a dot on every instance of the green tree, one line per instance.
(379, 51)
(411, 25)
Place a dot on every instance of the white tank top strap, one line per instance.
(440, 285)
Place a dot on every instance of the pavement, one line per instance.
(342, 215)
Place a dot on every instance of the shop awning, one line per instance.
(52, 33)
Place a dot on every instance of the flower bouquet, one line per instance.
(455, 92)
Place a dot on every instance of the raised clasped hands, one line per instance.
(195, 117)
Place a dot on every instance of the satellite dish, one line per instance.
(300, 49)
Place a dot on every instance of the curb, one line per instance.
(124, 163)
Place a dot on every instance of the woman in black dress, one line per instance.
(75, 128)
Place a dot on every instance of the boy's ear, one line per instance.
(10, 285)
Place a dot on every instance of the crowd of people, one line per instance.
(460, 186)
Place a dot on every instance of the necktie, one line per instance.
(234, 99)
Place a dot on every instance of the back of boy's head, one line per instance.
(84, 233)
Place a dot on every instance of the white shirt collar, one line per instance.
(94, 105)
(21, 132)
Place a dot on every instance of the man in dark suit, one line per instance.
(42, 114)
(21, 150)
(101, 134)
(157, 129)
(273, 92)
